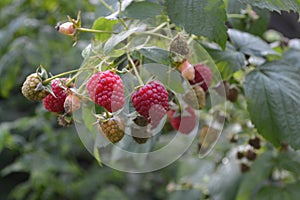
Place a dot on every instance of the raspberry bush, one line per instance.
(162, 79)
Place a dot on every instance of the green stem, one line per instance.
(120, 16)
(81, 87)
(72, 79)
(59, 75)
(123, 23)
(135, 70)
(158, 27)
(107, 6)
(112, 10)
(237, 16)
(193, 37)
(154, 34)
(94, 31)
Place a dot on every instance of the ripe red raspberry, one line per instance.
(184, 122)
(106, 89)
(56, 103)
(151, 101)
(203, 76)
(113, 129)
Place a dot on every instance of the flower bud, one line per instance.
(66, 28)
(187, 70)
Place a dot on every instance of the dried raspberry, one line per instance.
(56, 103)
(151, 101)
(64, 120)
(113, 129)
(203, 76)
(255, 143)
(139, 130)
(32, 88)
(180, 46)
(106, 89)
(140, 140)
(240, 155)
(72, 102)
(244, 167)
(233, 139)
(184, 122)
(250, 155)
(233, 93)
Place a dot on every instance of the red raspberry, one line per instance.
(56, 103)
(106, 89)
(203, 76)
(151, 101)
(184, 122)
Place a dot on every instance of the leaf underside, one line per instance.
(273, 95)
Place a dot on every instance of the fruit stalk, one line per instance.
(48, 80)
(94, 31)
(135, 70)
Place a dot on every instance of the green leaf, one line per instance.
(142, 10)
(200, 17)
(116, 39)
(260, 170)
(156, 54)
(250, 44)
(102, 10)
(166, 75)
(256, 27)
(191, 194)
(225, 181)
(110, 192)
(273, 95)
(276, 5)
(194, 170)
(10, 66)
(291, 57)
(290, 161)
(89, 119)
(97, 155)
(275, 192)
(228, 61)
(103, 24)
(6, 138)
(110, 7)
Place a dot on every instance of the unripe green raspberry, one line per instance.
(113, 129)
(33, 89)
(195, 97)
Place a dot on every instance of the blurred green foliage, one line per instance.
(39, 160)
